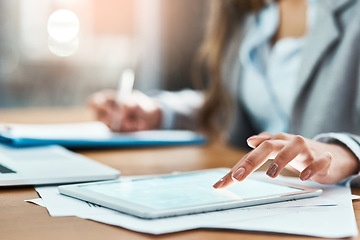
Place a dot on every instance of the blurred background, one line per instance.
(58, 52)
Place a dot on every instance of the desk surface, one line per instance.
(21, 220)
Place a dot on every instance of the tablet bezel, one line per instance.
(142, 211)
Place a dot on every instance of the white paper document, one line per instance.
(86, 130)
(37, 201)
(331, 215)
(91, 134)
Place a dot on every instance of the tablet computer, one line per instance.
(184, 193)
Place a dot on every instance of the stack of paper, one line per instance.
(331, 215)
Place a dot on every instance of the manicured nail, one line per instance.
(272, 170)
(251, 138)
(238, 174)
(305, 175)
(219, 183)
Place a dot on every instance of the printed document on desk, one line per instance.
(91, 134)
(331, 215)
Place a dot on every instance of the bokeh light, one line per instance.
(63, 49)
(63, 25)
(63, 29)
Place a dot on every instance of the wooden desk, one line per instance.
(21, 220)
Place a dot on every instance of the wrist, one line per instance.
(345, 161)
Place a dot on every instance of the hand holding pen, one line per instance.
(126, 110)
(124, 91)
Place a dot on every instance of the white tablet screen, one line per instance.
(186, 190)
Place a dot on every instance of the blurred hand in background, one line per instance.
(136, 113)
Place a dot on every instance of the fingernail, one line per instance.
(272, 170)
(305, 175)
(238, 174)
(251, 138)
(219, 183)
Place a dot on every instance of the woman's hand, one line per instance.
(321, 162)
(135, 113)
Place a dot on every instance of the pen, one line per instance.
(125, 87)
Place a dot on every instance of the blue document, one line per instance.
(91, 134)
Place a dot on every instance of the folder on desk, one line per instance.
(91, 134)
